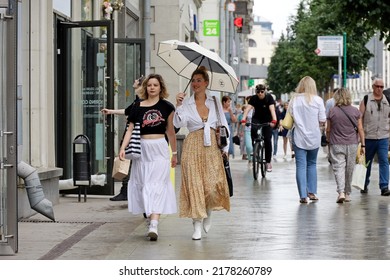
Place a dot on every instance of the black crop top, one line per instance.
(153, 119)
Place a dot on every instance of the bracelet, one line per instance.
(174, 153)
(363, 146)
(274, 121)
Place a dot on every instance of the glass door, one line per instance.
(85, 83)
(94, 72)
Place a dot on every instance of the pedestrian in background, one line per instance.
(308, 112)
(264, 112)
(343, 139)
(150, 190)
(275, 130)
(203, 182)
(329, 104)
(241, 133)
(247, 132)
(376, 131)
(231, 119)
(122, 195)
(283, 132)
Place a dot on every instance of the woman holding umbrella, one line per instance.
(203, 184)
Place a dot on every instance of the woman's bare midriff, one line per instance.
(152, 136)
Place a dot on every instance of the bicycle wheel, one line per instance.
(256, 160)
(263, 164)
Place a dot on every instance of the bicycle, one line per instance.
(258, 158)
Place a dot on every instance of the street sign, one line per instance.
(235, 60)
(211, 27)
(329, 46)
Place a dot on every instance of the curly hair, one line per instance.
(143, 94)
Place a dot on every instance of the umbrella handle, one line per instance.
(187, 86)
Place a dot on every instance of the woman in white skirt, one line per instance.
(150, 189)
(203, 184)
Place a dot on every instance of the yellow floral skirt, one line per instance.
(203, 179)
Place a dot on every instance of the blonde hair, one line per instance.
(308, 87)
(342, 97)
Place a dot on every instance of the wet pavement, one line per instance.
(266, 222)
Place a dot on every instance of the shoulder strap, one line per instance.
(217, 111)
(365, 99)
(353, 123)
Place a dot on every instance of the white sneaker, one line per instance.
(153, 233)
(285, 156)
(269, 167)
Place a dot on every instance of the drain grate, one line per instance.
(56, 222)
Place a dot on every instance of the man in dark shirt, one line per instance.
(264, 112)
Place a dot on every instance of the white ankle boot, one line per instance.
(207, 222)
(152, 232)
(197, 229)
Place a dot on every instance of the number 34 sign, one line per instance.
(211, 28)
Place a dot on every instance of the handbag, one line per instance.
(228, 173)
(221, 131)
(288, 121)
(120, 168)
(324, 142)
(236, 140)
(133, 149)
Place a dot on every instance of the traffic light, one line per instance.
(238, 21)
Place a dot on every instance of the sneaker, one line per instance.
(340, 198)
(269, 167)
(347, 198)
(285, 156)
(385, 192)
(152, 233)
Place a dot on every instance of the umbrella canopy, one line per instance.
(185, 57)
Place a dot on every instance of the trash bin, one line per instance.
(82, 164)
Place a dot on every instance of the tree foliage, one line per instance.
(295, 58)
(373, 15)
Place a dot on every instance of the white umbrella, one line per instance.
(185, 57)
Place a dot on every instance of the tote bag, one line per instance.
(133, 150)
(359, 174)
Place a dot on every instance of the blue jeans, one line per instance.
(248, 144)
(275, 136)
(379, 147)
(306, 170)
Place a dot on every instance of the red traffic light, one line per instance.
(238, 21)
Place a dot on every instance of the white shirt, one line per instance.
(307, 133)
(187, 115)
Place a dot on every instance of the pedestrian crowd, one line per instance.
(350, 134)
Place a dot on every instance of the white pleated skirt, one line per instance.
(150, 189)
